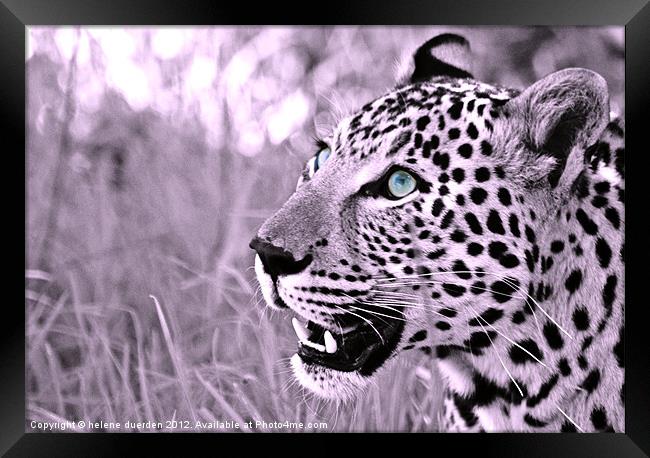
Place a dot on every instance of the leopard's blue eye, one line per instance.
(401, 184)
(321, 157)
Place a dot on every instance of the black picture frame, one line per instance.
(16, 15)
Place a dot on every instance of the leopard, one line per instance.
(480, 224)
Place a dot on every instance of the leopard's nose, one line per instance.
(277, 261)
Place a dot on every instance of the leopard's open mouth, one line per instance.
(359, 342)
(363, 345)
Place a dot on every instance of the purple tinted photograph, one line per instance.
(325, 229)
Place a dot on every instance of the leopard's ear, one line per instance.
(443, 55)
(562, 111)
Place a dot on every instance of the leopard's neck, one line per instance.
(563, 347)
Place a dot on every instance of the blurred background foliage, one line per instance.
(154, 154)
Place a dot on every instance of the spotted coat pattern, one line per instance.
(505, 264)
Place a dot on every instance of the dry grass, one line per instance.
(229, 368)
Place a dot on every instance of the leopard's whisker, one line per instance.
(478, 318)
(543, 311)
(364, 319)
(514, 343)
(385, 305)
(399, 302)
(358, 301)
(503, 277)
(437, 282)
(414, 306)
(387, 301)
(403, 302)
(568, 418)
(397, 293)
(428, 274)
(377, 313)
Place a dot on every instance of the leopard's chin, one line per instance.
(327, 383)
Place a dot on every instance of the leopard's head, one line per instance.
(411, 226)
